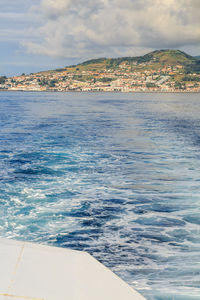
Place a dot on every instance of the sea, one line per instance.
(113, 174)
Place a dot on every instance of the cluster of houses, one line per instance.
(125, 78)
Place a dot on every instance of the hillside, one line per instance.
(155, 60)
(160, 70)
(152, 61)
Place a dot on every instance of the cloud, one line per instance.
(16, 20)
(54, 8)
(76, 28)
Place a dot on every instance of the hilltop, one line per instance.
(155, 60)
(157, 56)
(160, 70)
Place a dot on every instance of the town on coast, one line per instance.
(158, 71)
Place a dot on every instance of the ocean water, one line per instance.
(114, 174)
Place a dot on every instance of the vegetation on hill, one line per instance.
(158, 57)
(152, 61)
(3, 79)
(165, 70)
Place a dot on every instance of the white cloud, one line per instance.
(17, 22)
(54, 8)
(79, 28)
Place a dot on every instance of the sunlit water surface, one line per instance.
(117, 175)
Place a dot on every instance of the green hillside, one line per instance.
(156, 59)
(151, 61)
(160, 70)
(170, 57)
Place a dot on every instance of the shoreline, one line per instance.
(127, 92)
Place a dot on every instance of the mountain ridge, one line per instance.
(159, 70)
(165, 56)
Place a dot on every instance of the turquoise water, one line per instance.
(114, 174)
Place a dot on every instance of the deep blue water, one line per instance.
(117, 175)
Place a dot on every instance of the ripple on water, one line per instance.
(116, 175)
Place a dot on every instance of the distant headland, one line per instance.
(160, 70)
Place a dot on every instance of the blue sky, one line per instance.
(45, 34)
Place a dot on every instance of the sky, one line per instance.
(40, 35)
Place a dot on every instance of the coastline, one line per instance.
(126, 92)
(168, 71)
